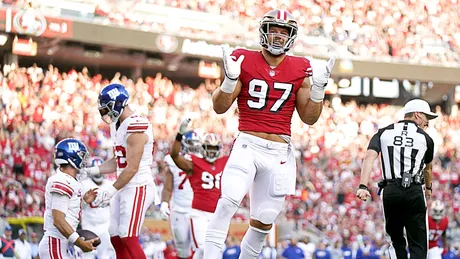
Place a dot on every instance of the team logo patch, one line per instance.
(167, 43)
(29, 22)
(73, 146)
(271, 72)
(113, 93)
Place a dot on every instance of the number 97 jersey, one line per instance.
(205, 182)
(268, 95)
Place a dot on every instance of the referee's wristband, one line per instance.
(73, 237)
(363, 187)
(179, 137)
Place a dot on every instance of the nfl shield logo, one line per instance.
(272, 72)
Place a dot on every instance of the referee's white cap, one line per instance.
(419, 105)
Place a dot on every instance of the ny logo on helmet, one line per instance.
(113, 93)
(73, 146)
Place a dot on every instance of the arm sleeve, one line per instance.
(59, 202)
(430, 150)
(61, 188)
(307, 67)
(374, 144)
(138, 125)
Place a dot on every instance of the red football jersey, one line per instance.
(205, 182)
(436, 230)
(267, 98)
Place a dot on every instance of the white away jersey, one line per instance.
(94, 216)
(68, 186)
(182, 194)
(133, 124)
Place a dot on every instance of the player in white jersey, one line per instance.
(134, 190)
(97, 219)
(63, 201)
(177, 185)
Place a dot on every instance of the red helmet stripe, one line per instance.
(285, 15)
(278, 16)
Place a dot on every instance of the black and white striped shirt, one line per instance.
(405, 148)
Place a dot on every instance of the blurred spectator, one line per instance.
(268, 252)
(22, 246)
(293, 251)
(367, 250)
(307, 247)
(232, 250)
(347, 252)
(170, 251)
(7, 250)
(34, 245)
(154, 247)
(321, 252)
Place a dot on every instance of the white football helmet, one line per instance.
(277, 18)
(438, 210)
(212, 147)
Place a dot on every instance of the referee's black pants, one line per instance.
(406, 208)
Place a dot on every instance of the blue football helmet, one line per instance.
(71, 151)
(191, 143)
(112, 100)
(97, 161)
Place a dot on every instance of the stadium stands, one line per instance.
(37, 113)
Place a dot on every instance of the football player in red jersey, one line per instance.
(268, 86)
(204, 175)
(437, 224)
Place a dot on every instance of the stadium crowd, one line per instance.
(421, 31)
(40, 106)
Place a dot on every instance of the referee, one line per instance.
(407, 152)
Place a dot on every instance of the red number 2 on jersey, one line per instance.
(120, 153)
(184, 177)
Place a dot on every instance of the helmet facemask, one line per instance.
(277, 43)
(211, 152)
(192, 146)
(108, 113)
(438, 210)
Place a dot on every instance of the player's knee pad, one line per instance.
(267, 212)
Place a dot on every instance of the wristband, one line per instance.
(73, 237)
(363, 187)
(317, 93)
(179, 137)
(228, 85)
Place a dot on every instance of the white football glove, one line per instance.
(183, 128)
(164, 210)
(104, 196)
(320, 78)
(232, 68)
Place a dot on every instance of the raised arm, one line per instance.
(309, 99)
(308, 110)
(225, 95)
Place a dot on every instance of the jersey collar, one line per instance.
(409, 121)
